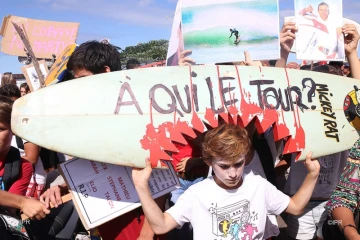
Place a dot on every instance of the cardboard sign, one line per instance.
(102, 192)
(58, 69)
(31, 76)
(45, 37)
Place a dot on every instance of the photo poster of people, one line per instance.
(319, 36)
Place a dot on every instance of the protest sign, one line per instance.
(45, 37)
(345, 21)
(102, 192)
(31, 76)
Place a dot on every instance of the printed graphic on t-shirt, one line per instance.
(326, 170)
(233, 221)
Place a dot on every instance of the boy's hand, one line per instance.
(312, 165)
(141, 176)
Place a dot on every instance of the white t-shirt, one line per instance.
(331, 167)
(40, 174)
(217, 213)
(271, 227)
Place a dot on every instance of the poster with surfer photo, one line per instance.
(319, 35)
(220, 31)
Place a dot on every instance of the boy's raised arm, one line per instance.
(159, 222)
(302, 196)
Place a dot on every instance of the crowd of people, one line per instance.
(233, 183)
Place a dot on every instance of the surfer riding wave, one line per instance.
(236, 33)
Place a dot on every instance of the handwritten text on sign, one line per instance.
(227, 97)
(45, 37)
(110, 188)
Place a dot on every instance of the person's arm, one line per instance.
(287, 38)
(31, 152)
(302, 196)
(159, 222)
(347, 218)
(146, 231)
(30, 207)
(343, 203)
(351, 42)
(308, 9)
(231, 34)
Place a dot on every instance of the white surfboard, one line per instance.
(127, 116)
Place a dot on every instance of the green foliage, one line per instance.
(152, 51)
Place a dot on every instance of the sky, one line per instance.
(124, 22)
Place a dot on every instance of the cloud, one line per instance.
(138, 12)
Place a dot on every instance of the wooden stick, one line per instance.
(64, 199)
(22, 35)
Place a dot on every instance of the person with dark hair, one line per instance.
(345, 69)
(24, 89)
(94, 57)
(10, 91)
(8, 78)
(132, 64)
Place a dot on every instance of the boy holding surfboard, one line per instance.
(92, 58)
(230, 203)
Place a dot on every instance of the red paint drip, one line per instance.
(210, 118)
(248, 110)
(195, 120)
(280, 129)
(220, 90)
(297, 143)
(151, 141)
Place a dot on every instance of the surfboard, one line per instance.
(127, 116)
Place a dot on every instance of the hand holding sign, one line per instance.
(351, 38)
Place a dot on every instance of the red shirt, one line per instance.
(184, 152)
(20, 186)
(125, 227)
